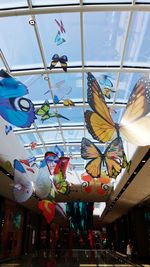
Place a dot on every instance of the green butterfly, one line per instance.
(43, 111)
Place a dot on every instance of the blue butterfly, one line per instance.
(14, 108)
(58, 39)
(8, 129)
(105, 81)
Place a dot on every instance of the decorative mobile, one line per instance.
(44, 113)
(48, 209)
(61, 26)
(105, 81)
(112, 158)
(107, 91)
(59, 39)
(68, 103)
(134, 125)
(63, 61)
(33, 145)
(14, 108)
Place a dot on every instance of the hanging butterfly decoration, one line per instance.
(14, 108)
(105, 82)
(48, 209)
(57, 168)
(56, 164)
(22, 186)
(29, 162)
(51, 160)
(59, 39)
(8, 129)
(63, 61)
(68, 103)
(112, 158)
(33, 145)
(61, 26)
(45, 114)
(107, 91)
(135, 123)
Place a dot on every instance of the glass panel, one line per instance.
(74, 149)
(104, 37)
(74, 114)
(138, 49)
(71, 47)
(28, 138)
(13, 3)
(20, 47)
(51, 137)
(54, 2)
(36, 152)
(67, 86)
(73, 135)
(142, 1)
(126, 85)
(37, 86)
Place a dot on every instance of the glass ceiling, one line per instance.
(104, 37)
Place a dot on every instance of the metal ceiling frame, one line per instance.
(81, 7)
(74, 8)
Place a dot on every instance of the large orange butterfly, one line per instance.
(135, 123)
(112, 158)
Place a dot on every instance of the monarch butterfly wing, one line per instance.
(135, 123)
(93, 167)
(90, 151)
(101, 117)
(114, 157)
(98, 127)
(96, 99)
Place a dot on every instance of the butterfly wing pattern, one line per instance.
(112, 158)
(135, 123)
(99, 123)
